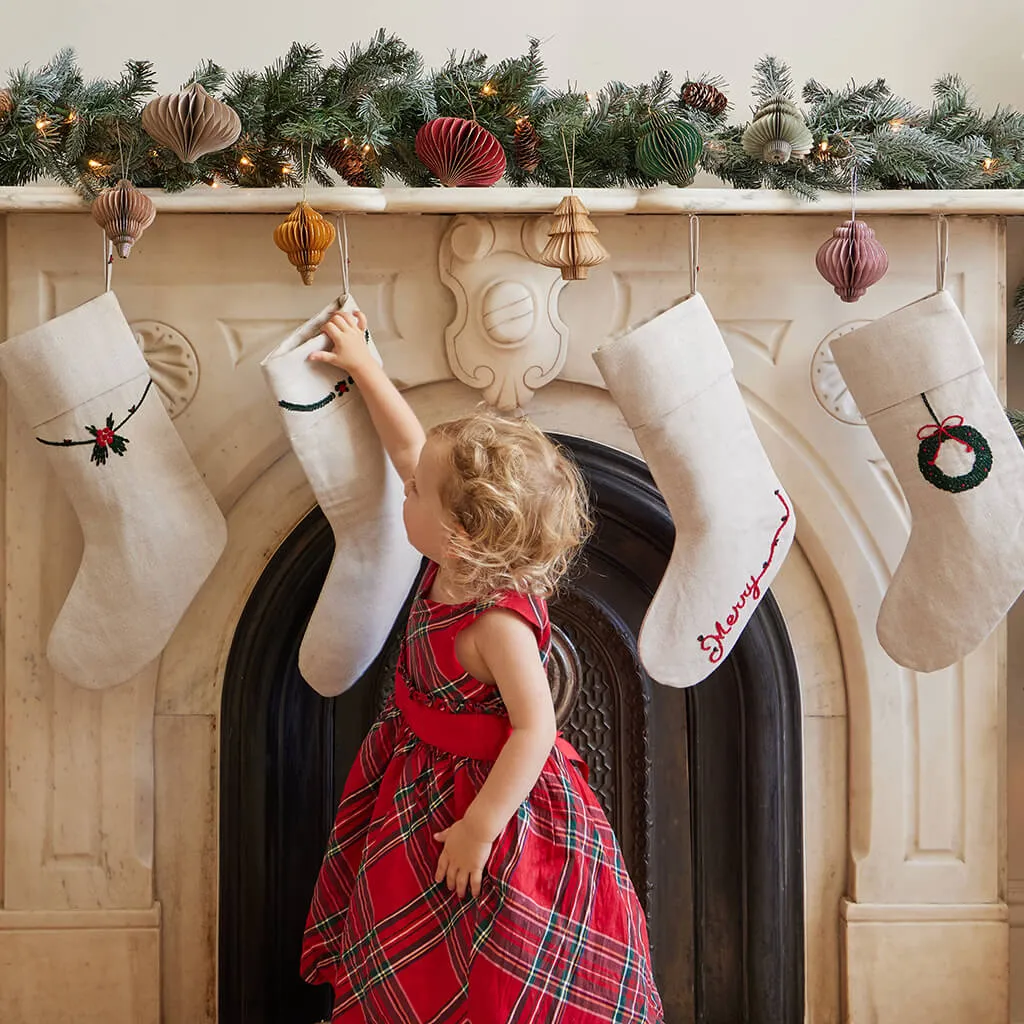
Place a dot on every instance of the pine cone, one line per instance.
(526, 146)
(346, 160)
(6, 102)
(702, 96)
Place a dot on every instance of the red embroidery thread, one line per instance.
(944, 431)
(713, 645)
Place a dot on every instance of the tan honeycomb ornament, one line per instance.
(124, 213)
(572, 241)
(192, 123)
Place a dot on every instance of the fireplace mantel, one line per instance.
(498, 200)
(109, 807)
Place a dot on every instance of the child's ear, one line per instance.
(457, 538)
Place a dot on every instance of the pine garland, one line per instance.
(371, 100)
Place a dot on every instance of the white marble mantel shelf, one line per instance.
(498, 200)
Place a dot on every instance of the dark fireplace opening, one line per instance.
(702, 786)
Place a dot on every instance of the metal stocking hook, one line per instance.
(941, 252)
(694, 251)
(108, 261)
(342, 231)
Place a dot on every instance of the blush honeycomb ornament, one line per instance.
(852, 260)
(778, 133)
(124, 213)
(304, 236)
(460, 153)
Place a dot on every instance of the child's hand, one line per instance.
(347, 334)
(462, 860)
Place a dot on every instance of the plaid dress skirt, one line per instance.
(557, 933)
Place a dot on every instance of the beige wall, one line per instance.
(909, 42)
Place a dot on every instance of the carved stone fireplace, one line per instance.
(119, 805)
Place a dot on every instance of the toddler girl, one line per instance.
(471, 876)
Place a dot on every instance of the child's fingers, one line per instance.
(453, 876)
(360, 320)
(442, 867)
(323, 357)
(460, 883)
(475, 881)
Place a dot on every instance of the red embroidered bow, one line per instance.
(943, 429)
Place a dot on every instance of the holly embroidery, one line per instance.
(105, 439)
(713, 645)
(932, 437)
(341, 388)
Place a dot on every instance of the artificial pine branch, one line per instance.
(373, 98)
(771, 78)
(1016, 418)
(1016, 326)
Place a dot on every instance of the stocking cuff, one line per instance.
(66, 361)
(665, 363)
(907, 353)
(307, 391)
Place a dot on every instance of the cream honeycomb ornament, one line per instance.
(778, 132)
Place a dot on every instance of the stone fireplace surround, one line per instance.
(110, 798)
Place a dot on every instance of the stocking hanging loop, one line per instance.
(342, 225)
(941, 252)
(108, 261)
(694, 251)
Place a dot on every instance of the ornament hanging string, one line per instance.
(941, 252)
(120, 151)
(305, 170)
(341, 223)
(460, 81)
(694, 251)
(570, 162)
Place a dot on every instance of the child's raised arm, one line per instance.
(399, 429)
(506, 645)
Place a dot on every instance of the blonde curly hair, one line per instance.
(519, 502)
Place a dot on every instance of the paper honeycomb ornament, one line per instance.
(192, 123)
(572, 241)
(852, 260)
(777, 133)
(460, 153)
(669, 150)
(304, 236)
(124, 213)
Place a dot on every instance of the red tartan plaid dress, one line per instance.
(557, 933)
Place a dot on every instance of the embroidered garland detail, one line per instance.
(713, 645)
(105, 439)
(933, 435)
(340, 388)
